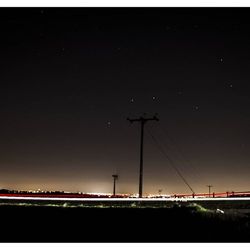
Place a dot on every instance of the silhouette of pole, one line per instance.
(160, 190)
(209, 189)
(142, 121)
(115, 176)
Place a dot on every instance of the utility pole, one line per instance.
(160, 190)
(209, 189)
(115, 176)
(142, 121)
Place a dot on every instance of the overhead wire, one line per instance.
(175, 144)
(192, 170)
(172, 164)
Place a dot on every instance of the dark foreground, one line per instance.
(177, 224)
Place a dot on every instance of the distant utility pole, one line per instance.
(160, 190)
(209, 189)
(142, 120)
(115, 176)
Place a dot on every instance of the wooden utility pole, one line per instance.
(209, 189)
(142, 121)
(115, 176)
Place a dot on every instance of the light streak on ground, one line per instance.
(124, 199)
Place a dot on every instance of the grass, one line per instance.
(133, 222)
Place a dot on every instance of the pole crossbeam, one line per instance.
(142, 120)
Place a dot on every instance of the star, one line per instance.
(62, 51)
(221, 59)
(132, 100)
(196, 107)
(153, 97)
(109, 123)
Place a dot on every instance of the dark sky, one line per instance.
(71, 76)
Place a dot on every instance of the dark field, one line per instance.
(133, 223)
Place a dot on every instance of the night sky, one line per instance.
(70, 77)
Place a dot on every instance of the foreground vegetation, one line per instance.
(131, 223)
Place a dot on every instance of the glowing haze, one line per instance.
(71, 77)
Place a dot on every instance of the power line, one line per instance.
(170, 160)
(186, 160)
